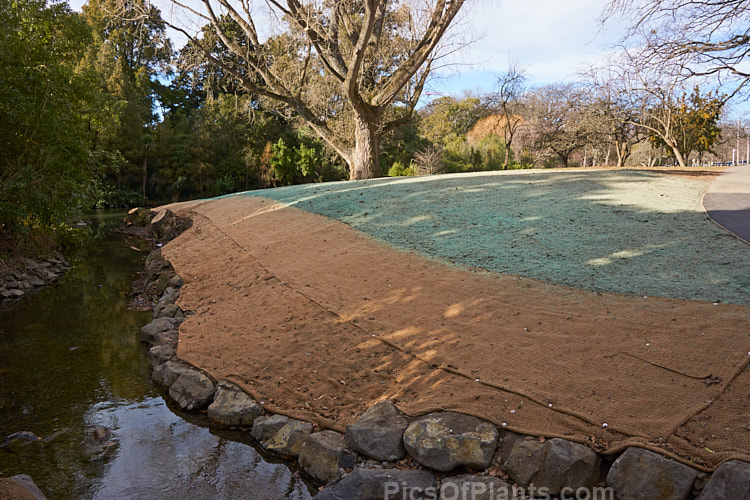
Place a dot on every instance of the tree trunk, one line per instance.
(508, 152)
(606, 158)
(677, 155)
(145, 175)
(623, 151)
(680, 158)
(564, 158)
(365, 158)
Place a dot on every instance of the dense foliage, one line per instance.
(45, 161)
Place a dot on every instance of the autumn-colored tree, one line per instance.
(694, 124)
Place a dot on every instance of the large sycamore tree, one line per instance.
(352, 70)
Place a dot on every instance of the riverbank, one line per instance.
(80, 414)
(253, 276)
(22, 276)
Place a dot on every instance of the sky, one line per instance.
(551, 39)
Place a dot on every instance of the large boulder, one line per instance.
(554, 464)
(469, 487)
(445, 440)
(160, 354)
(265, 427)
(176, 281)
(281, 434)
(170, 338)
(169, 297)
(524, 460)
(169, 311)
(159, 325)
(192, 390)
(324, 456)
(640, 474)
(155, 264)
(730, 481)
(233, 407)
(378, 432)
(161, 283)
(139, 216)
(167, 225)
(378, 484)
(168, 372)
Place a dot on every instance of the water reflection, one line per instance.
(190, 461)
(70, 359)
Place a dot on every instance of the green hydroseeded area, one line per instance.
(629, 231)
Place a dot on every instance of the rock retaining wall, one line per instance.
(24, 276)
(445, 455)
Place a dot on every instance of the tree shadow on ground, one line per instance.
(632, 232)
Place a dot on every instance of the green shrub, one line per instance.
(399, 170)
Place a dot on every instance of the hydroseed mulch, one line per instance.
(626, 231)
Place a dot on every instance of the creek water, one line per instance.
(70, 360)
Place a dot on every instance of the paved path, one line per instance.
(727, 201)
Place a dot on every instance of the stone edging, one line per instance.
(384, 454)
(27, 275)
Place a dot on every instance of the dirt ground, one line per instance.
(319, 320)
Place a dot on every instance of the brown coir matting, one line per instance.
(319, 321)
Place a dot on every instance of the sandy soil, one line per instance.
(319, 320)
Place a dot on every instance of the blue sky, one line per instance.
(553, 40)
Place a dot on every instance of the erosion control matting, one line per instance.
(318, 321)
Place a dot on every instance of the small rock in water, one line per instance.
(101, 433)
(21, 438)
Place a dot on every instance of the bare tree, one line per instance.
(554, 113)
(429, 161)
(658, 103)
(353, 70)
(611, 112)
(709, 38)
(505, 101)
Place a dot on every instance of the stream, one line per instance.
(71, 360)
